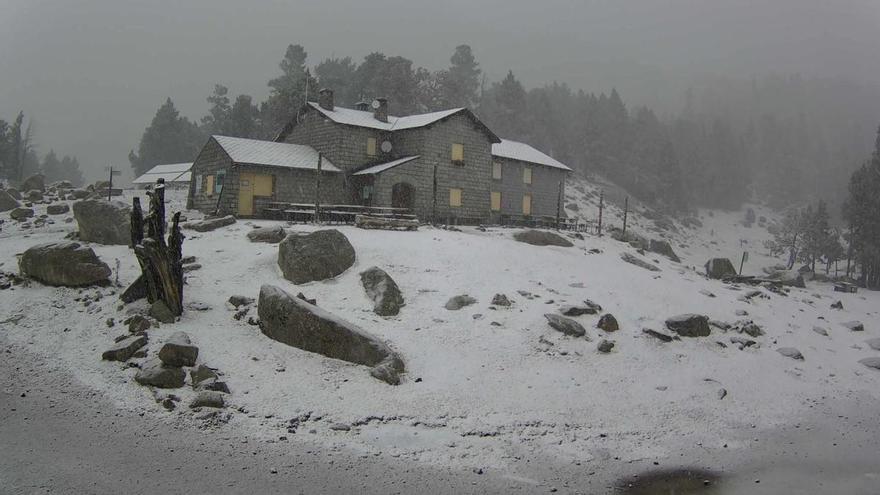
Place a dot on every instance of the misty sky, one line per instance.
(92, 73)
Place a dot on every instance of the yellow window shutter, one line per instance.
(496, 201)
(527, 204)
(371, 146)
(527, 175)
(209, 185)
(263, 185)
(457, 152)
(496, 170)
(455, 197)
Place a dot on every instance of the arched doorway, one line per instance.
(403, 195)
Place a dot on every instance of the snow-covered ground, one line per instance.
(485, 388)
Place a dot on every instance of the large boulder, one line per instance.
(14, 193)
(125, 348)
(159, 375)
(179, 351)
(383, 291)
(210, 224)
(633, 260)
(720, 268)
(271, 235)
(20, 214)
(542, 238)
(565, 325)
(663, 248)
(36, 181)
(315, 256)
(294, 322)
(689, 325)
(34, 195)
(63, 263)
(103, 222)
(7, 201)
(58, 209)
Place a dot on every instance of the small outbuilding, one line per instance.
(176, 176)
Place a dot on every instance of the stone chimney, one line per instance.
(362, 106)
(325, 99)
(381, 112)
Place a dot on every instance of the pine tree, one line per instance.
(338, 74)
(169, 138)
(288, 91)
(244, 118)
(51, 167)
(862, 211)
(70, 170)
(218, 119)
(460, 83)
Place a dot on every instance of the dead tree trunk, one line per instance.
(161, 269)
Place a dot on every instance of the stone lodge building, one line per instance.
(445, 166)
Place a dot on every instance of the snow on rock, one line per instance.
(63, 263)
(542, 238)
(565, 325)
(271, 235)
(210, 224)
(103, 222)
(382, 290)
(689, 325)
(309, 257)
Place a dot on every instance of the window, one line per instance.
(527, 175)
(455, 197)
(496, 170)
(209, 185)
(198, 183)
(496, 200)
(458, 153)
(218, 183)
(527, 204)
(371, 146)
(263, 185)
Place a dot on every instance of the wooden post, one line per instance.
(318, 189)
(558, 205)
(601, 207)
(625, 213)
(434, 198)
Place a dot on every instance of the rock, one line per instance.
(160, 311)
(874, 343)
(837, 305)
(663, 248)
(34, 195)
(855, 326)
(210, 224)
(103, 222)
(36, 181)
(340, 427)
(272, 235)
(871, 362)
(605, 346)
(742, 342)
(19, 214)
(689, 325)
(137, 290)
(500, 300)
(191, 267)
(821, 331)
(588, 308)
(542, 238)
(657, 335)
(790, 278)
(155, 373)
(791, 352)
(319, 255)
(720, 268)
(63, 263)
(202, 373)
(14, 193)
(299, 324)
(139, 323)
(565, 325)
(187, 260)
(383, 291)
(608, 323)
(707, 293)
(212, 384)
(79, 193)
(457, 302)
(179, 351)
(125, 348)
(237, 301)
(7, 201)
(721, 325)
(58, 209)
(752, 329)
(629, 258)
(208, 398)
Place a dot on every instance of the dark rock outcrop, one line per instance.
(500, 300)
(457, 302)
(663, 248)
(103, 222)
(58, 209)
(125, 348)
(633, 260)
(156, 374)
(383, 291)
(179, 351)
(315, 256)
(66, 264)
(7, 201)
(689, 325)
(608, 323)
(720, 268)
(542, 238)
(20, 214)
(565, 325)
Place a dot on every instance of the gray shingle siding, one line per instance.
(544, 188)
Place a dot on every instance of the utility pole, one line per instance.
(559, 204)
(625, 213)
(601, 207)
(318, 190)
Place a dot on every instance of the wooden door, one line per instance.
(246, 194)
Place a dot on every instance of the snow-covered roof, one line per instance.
(172, 172)
(256, 152)
(515, 150)
(375, 169)
(361, 118)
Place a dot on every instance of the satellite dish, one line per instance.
(375, 104)
(386, 147)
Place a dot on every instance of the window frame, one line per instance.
(497, 166)
(452, 153)
(209, 185)
(492, 196)
(527, 200)
(528, 176)
(372, 148)
(453, 192)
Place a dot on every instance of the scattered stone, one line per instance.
(791, 352)
(179, 351)
(19, 214)
(103, 222)
(136, 291)
(837, 305)
(208, 398)
(64, 263)
(723, 326)
(212, 384)
(160, 311)
(34, 195)
(874, 343)
(159, 375)
(7, 201)
(629, 258)
(689, 325)
(663, 248)
(58, 209)
(722, 393)
(340, 427)
(202, 373)
(383, 291)
(125, 348)
(210, 224)
(657, 335)
(542, 238)
(315, 256)
(741, 312)
(706, 293)
(605, 346)
(871, 362)
(821, 331)
(271, 235)
(608, 323)
(299, 324)
(588, 308)
(501, 300)
(187, 260)
(565, 325)
(191, 267)
(742, 342)
(457, 302)
(237, 301)
(855, 326)
(720, 268)
(751, 329)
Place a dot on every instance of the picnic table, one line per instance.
(332, 213)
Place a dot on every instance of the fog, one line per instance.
(91, 73)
